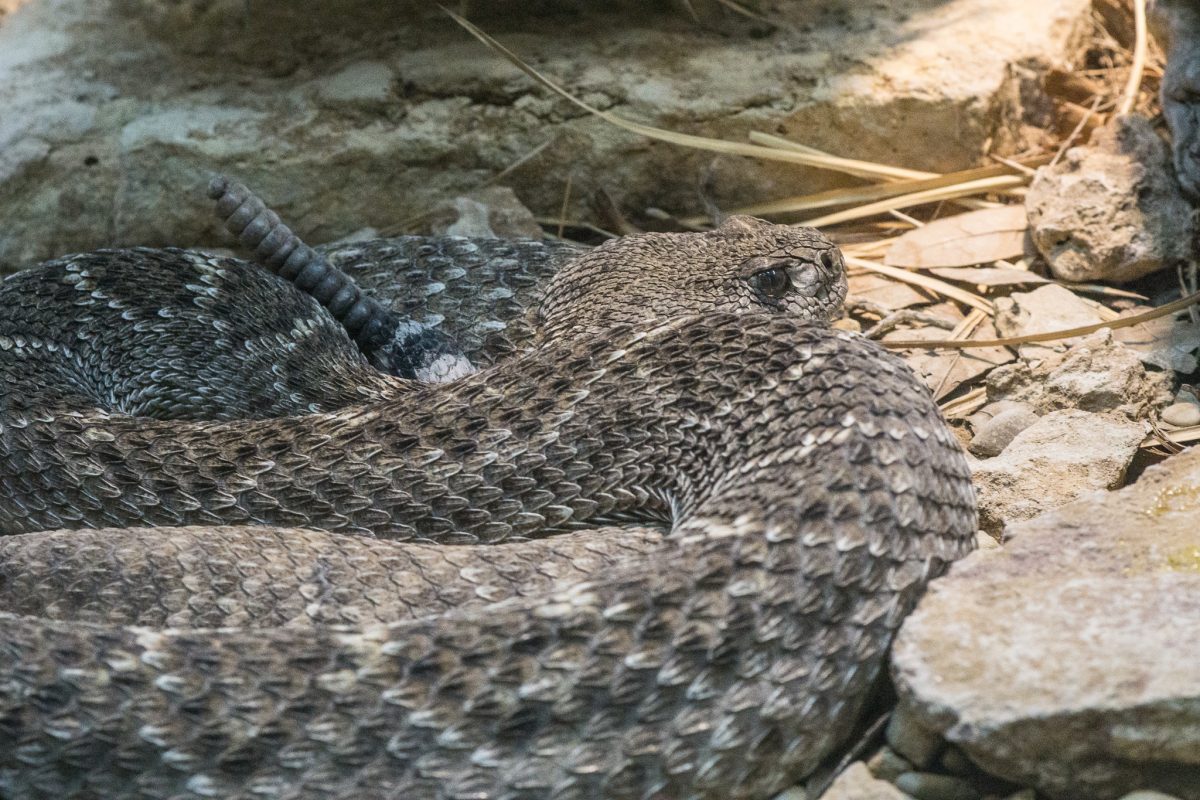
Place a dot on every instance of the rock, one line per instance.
(1064, 455)
(886, 764)
(363, 113)
(1147, 794)
(996, 432)
(363, 84)
(1181, 415)
(1111, 211)
(956, 762)
(931, 786)
(491, 212)
(1094, 375)
(857, 783)
(911, 739)
(1047, 308)
(794, 793)
(1166, 342)
(1066, 661)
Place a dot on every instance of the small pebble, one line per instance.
(794, 793)
(930, 786)
(911, 739)
(1024, 794)
(1148, 794)
(992, 436)
(1181, 415)
(887, 764)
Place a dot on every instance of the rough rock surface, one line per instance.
(360, 113)
(1111, 211)
(492, 212)
(997, 424)
(857, 783)
(1096, 374)
(1067, 660)
(1061, 457)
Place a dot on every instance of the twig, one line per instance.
(982, 186)
(1018, 166)
(890, 320)
(1050, 336)
(1070, 140)
(847, 165)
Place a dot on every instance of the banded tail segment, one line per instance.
(403, 348)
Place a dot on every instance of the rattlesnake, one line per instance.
(707, 516)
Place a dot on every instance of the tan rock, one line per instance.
(1061, 457)
(1111, 211)
(1067, 659)
(857, 783)
(1096, 374)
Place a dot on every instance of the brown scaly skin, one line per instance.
(808, 484)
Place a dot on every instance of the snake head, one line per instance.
(745, 265)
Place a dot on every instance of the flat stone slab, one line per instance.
(365, 113)
(1069, 659)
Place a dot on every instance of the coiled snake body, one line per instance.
(705, 515)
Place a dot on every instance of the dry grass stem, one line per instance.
(981, 186)
(1136, 70)
(925, 282)
(1050, 336)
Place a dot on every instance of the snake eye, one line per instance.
(773, 282)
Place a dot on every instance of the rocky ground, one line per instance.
(995, 196)
(361, 113)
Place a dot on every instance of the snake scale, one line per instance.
(655, 547)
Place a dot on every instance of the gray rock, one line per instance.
(1111, 211)
(1096, 374)
(1066, 660)
(493, 211)
(955, 762)
(363, 84)
(1147, 794)
(931, 786)
(363, 113)
(1047, 308)
(857, 783)
(911, 739)
(995, 434)
(1063, 456)
(1181, 415)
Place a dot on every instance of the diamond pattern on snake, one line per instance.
(637, 524)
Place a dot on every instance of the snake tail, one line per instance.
(397, 346)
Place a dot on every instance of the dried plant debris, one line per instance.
(977, 237)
